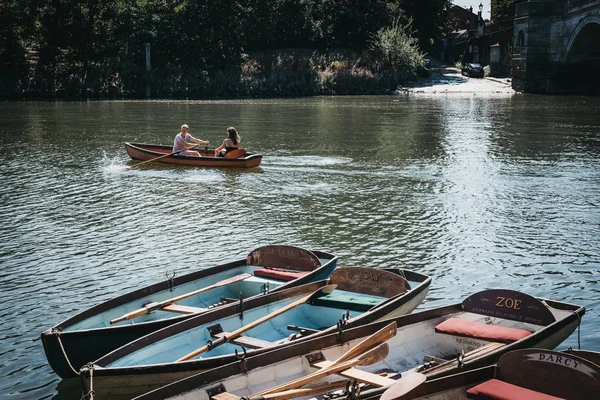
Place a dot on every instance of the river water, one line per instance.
(477, 191)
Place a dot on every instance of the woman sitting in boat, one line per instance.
(232, 142)
(183, 139)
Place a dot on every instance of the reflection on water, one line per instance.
(477, 192)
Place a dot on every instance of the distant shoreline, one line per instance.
(449, 80)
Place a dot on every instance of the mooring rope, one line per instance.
(90, 393)
(56, 332)
(402, 274)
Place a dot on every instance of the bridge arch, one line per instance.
(585, 36)
(562, 46)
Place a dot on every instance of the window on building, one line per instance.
(520, 39)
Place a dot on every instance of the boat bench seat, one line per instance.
(478, 330)
(280, 274)
(247, 341)
(497, 389)
(348, 300)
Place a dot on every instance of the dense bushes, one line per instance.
(96, 48)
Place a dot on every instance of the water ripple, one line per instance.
(476, 193)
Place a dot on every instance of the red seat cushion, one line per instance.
(499, 390)
(495, 333)
(279, 274)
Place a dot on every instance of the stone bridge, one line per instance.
(557, 46)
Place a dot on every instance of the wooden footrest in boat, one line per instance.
(176, 308)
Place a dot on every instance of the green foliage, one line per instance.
(13, 67)
(503, 12)
(397, 49)
(96, 48)
(431, 19)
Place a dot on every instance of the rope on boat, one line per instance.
(56, 332)
(90, 393)
(402, 274)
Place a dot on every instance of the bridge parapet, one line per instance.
(540, 8)
(575, 4)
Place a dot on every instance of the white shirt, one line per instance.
(181, 142)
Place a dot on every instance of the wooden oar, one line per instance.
(292, 389)
(166, 155)
(381, 336)
(404, 385)
(357, 354)
(308, 391)
(244, 329)
(158, 305)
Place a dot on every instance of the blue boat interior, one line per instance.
(248, 287)
(323, 313)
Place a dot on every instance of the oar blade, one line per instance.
(376, 354)
(381, 336)
(404, 385)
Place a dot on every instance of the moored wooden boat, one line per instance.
(521, 374)
(362, 295)
(431, 344)
(90, 334)
(145, 152)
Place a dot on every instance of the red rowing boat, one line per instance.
(238, 158)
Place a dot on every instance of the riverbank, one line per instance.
(448, 80)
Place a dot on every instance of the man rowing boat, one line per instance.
(182, 140)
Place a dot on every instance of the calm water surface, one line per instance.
(493, 192)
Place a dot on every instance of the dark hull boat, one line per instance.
(235, 159)
(417, 348)
(263, 324)
(521, 374)
(96, 331)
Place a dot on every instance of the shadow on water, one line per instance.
(69, 389)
